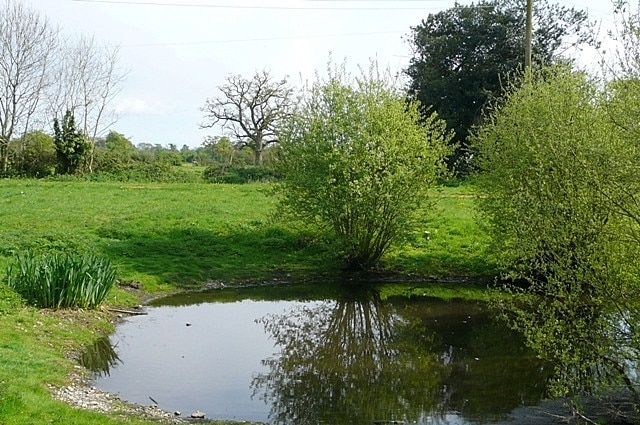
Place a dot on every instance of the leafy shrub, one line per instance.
(161, 172)
(34, 155)
(357, 160)
(61, 280)
(559, 189)
(141, 172)
(262, 174)
(214, 171)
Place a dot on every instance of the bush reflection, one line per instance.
(363, 359)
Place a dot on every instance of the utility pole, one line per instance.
(528, 35)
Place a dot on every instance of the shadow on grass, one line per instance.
(457, 265)
(187, 257)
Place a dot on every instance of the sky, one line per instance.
(177, 52)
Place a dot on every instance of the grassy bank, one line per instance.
(176, 236)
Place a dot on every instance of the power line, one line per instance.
(236, 6)
(262, 39)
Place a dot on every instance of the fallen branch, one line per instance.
(133, 313)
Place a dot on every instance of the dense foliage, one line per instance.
(559, 190)
(115, 158)
(72, 146)
(61, 280)
(462, 55)
(357, 161)
(33, 155)
(220, 174)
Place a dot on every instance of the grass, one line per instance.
(177, 236)
(158, 234)
(182, 235)
(450, 245)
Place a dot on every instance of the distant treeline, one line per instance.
(116, 158)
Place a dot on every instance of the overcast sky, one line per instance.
(178, 51)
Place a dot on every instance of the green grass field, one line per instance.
(178, 236)
(185, 234)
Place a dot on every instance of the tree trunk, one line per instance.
(4, 154)
(91, 155)
(258, 153)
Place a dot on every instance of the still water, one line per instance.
(348, 356)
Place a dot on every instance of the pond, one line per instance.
(346, 355)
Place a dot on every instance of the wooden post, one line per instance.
(528, 35)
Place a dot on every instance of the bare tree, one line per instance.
(89, 79)
(27, 45)
(622, 60)
(250, 110)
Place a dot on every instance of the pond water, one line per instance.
(348, 355)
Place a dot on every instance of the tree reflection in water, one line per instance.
(359, 360)
(353, 358)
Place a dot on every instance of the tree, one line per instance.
(72, 146)
(116, 154)
(621, 70)
(356, 160)
(250, 111)
(27, 45)
(117, 142)
(187, 154)
(88, 79)
(558, 188)
(462, 55)
(220, 150)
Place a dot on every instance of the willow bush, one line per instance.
(559, 187)
(357, 159)
(61, 280)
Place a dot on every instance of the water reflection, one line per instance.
(353, 358)
(365, 361)
(100, 357)
(489, 370)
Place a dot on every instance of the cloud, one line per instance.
(131, 105)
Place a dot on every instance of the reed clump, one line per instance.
(61, 280)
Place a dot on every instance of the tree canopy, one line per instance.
(250, 111)
(559, 188)
(461, 56)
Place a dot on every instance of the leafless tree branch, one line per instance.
(250, 111)
(27, 46)
(89, 79)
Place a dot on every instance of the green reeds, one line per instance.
(61, 280)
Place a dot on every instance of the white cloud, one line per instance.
(130, 105)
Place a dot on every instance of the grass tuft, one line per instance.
(61, 280)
